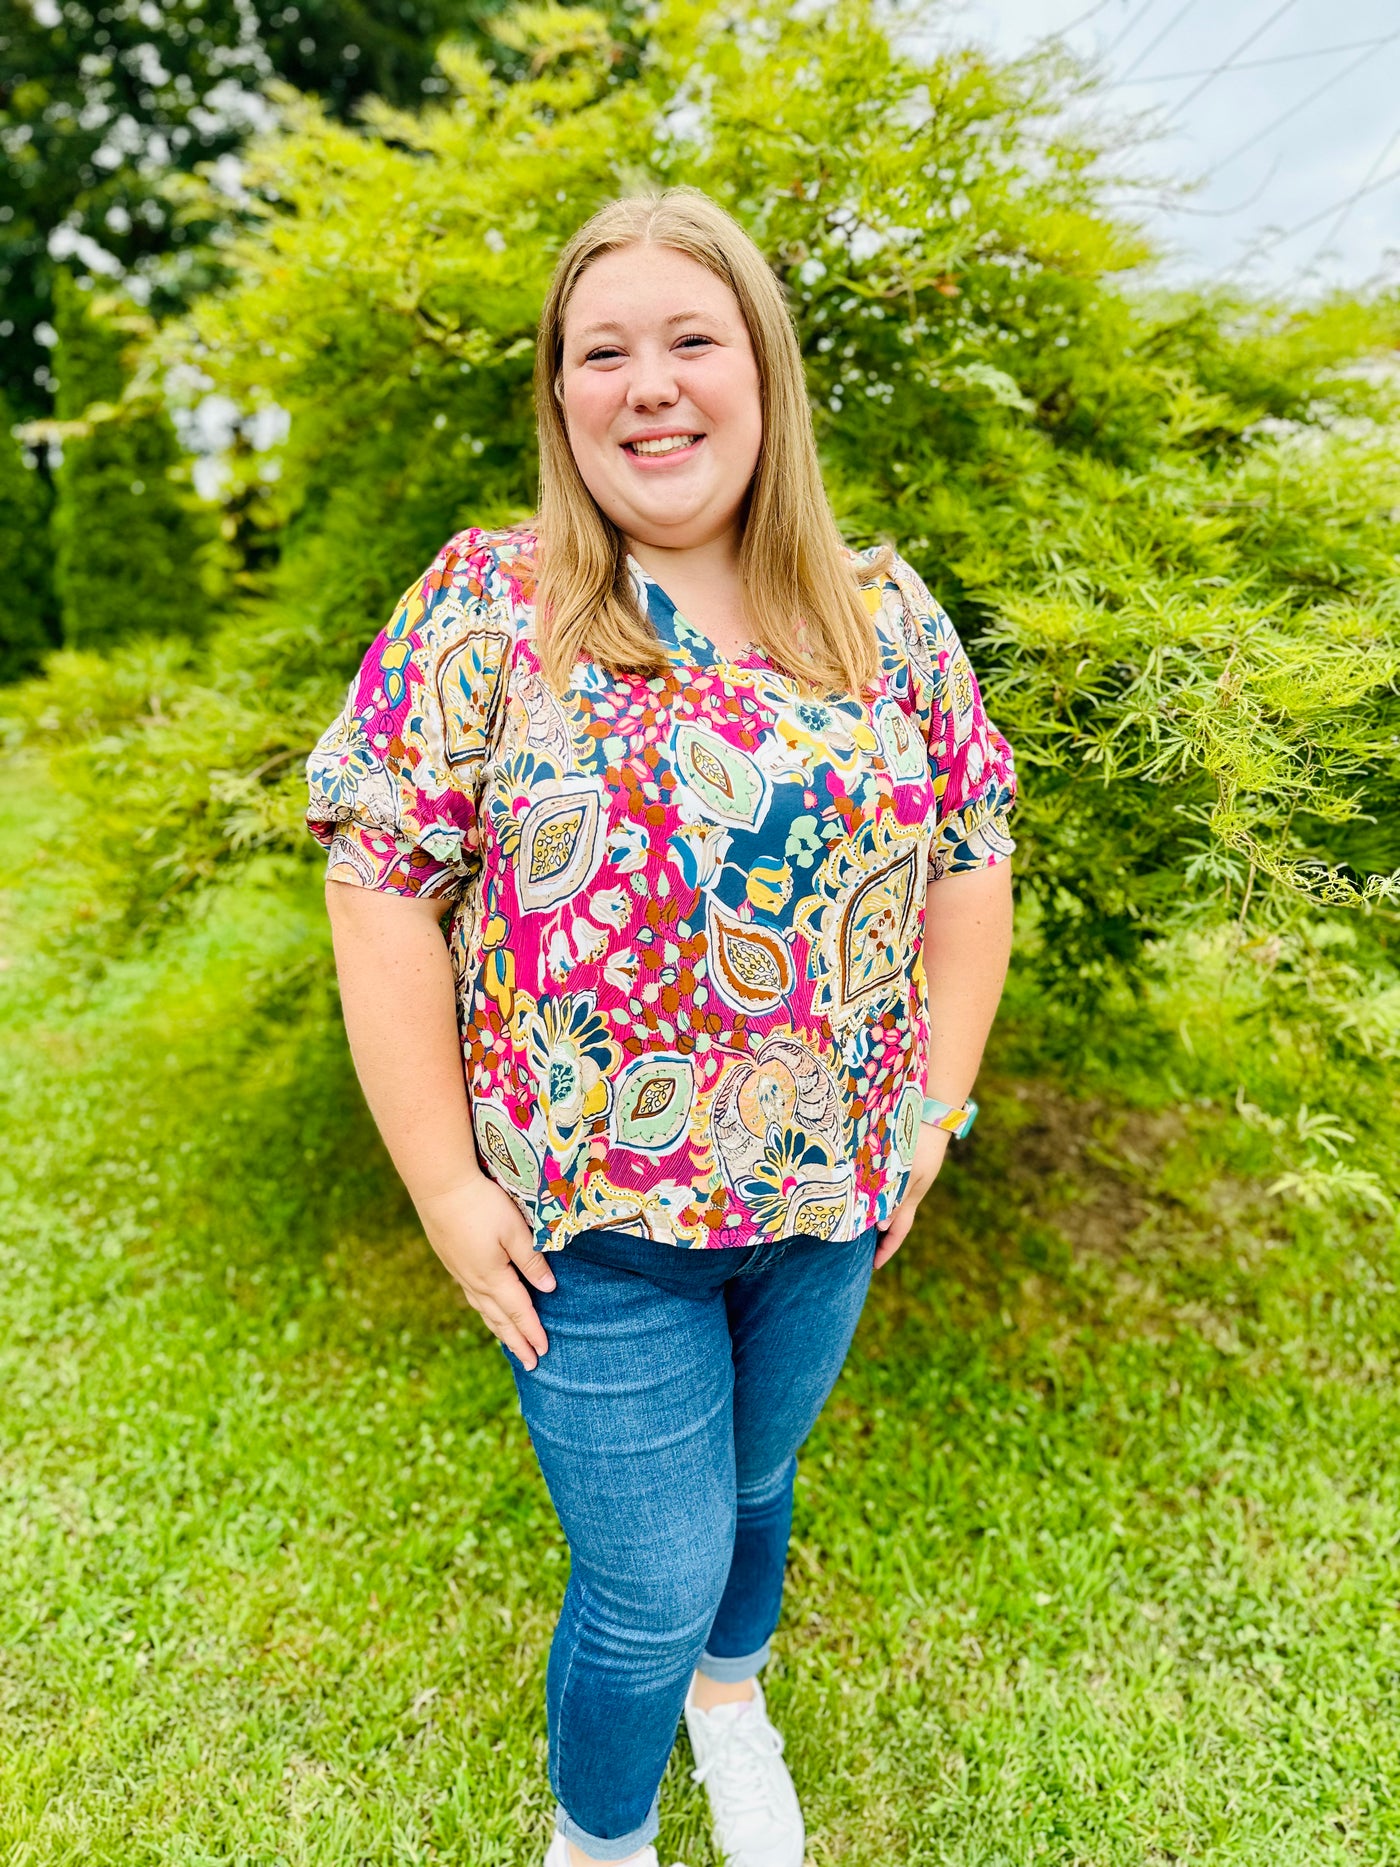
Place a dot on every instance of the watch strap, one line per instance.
(954, 1118)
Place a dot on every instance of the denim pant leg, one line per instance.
(791, 1324)
(630, 1414)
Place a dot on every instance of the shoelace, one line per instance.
(743, 1749)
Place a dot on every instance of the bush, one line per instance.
(1163, 523)
(26, 607)
(128, 544)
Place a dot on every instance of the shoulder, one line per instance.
(458, 620)
(881, 567)
(481, 563)
(884, 566)
(476, 587)
(900, 599)
(865, 560)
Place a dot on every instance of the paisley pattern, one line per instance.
(687, 910)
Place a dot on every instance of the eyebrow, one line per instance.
(679, 317)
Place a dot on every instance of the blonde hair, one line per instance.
(802, 590)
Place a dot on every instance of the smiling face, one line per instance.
(661, 398)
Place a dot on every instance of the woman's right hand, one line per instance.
(477, 1230)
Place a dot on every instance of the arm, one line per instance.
(967, 944)
(398, 996)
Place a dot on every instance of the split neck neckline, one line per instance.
(677, 630)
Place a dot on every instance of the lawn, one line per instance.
(1096, 1546)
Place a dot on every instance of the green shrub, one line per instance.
(128, 543)
(26, 599)
(1164, 523)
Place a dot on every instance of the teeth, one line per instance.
(667, 444)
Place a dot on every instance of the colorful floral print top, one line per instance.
(687, 910)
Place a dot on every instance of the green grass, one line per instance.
(1096, 1548)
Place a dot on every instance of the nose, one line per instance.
(652, 383)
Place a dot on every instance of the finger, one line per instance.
(890, 1242)
(513, 1340)
(513, 1306)
(533, 1265)
(509, 1315)
(518, 1327)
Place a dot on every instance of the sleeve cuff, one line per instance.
(977, 837)
(369, 858)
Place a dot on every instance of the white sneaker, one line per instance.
(558, 1855)
(739, 1759)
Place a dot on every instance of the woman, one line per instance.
(721, 827)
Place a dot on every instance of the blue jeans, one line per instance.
(666, 1417)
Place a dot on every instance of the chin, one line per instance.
(677, 527)
(686, 522)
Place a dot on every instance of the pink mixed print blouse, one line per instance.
(687, 909)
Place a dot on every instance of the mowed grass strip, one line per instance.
(1095, 1555)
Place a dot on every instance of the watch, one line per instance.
(957, 1121)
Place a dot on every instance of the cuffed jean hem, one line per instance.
(614, 1850)
(725, 1671)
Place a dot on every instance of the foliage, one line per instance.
(100, 104)
(26, 605)
(90, 353)
(1162, 523)
(127, 541)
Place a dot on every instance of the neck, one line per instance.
(715, 562)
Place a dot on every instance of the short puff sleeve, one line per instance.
(973, 770)
(395, 780)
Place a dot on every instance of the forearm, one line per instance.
(398, 996)
(967, 944)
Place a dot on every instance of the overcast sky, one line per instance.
(1278, 146)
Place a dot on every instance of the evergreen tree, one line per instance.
(126, 541)
(26, 595)
(100, 105)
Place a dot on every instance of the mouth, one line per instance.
(663, 447)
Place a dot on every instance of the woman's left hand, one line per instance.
(929, 1152)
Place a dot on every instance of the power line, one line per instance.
(1293, 110)
(1082, 19)
(1250, 39)
(1201, 78)
(1224, 213)
(1133, 19)
(1247, 64)
(1346, 204)
(1152, 44)
(1344, 213)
